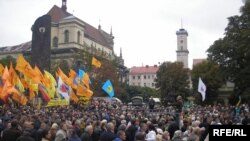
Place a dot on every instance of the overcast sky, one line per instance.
(144, 29)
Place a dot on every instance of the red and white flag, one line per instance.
(202, 89)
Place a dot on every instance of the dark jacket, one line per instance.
(86, 137)
(11, 134)
(107, 136)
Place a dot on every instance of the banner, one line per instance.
(57, 102)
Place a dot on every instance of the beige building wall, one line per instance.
(142, 80)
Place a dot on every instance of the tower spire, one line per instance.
(181, 24)
(121, 52)
(111, 31)
(64, 5)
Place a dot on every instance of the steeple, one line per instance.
(111, 34)
(64, 5)
(120, 52)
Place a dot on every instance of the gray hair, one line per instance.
(110, 125)
(88, 128)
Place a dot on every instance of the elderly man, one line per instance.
(109, 135)
(87, 135)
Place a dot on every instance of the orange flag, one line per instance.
(38, 75)
(6, 74)
(4, 94)
(63, 76)
(12, 75)
(24, 67)
(1, 69)
(73, 96)
(96, 62)
(82, 91)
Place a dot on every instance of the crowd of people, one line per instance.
(104, 121)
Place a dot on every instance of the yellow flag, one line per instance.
(96, 62)
(50, 84)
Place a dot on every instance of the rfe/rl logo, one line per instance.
(229, 132)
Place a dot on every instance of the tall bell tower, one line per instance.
(182, 50)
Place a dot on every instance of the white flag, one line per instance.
(63, 89)
(202, 89)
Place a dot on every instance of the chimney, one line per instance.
(155, 66)
(146, 66)
(64, 5)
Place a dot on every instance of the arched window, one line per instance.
(55, 42)
(78, 37)
(66, 36)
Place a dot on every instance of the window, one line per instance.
(55, 42)
(181, 47)
(181, 41)
(139, 84)
(78, 37)
(66, 36)
(145, 77)
(133, 77)
(145, 84)
(148, 76)
(153, 84)
(139, 77)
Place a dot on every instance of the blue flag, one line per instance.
(81, 74)
(108, 88)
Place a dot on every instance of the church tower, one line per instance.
(182, 50)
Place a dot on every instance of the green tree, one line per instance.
(212, 78)
(232, 52)
(7, 60)
(172, 80)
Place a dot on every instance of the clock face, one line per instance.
(41, 29)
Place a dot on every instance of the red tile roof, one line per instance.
(90, 32)
(197, 61)
(57, 14)
(144, 70)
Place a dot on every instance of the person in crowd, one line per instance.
(61, 134)
(140, 136)
(46, 134)
(109, 135)
(165, 136)
(121, 136)
(177, 136)
(131, 130)
(151, 135)
(11, 134)
(87, 134)
(151, 103)
(73, 136)
(26, 136)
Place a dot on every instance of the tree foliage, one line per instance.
(172, 80)
(232, 52)
(212, 78)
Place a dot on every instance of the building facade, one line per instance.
(143, 76)
(182, 50)
(69, 34)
